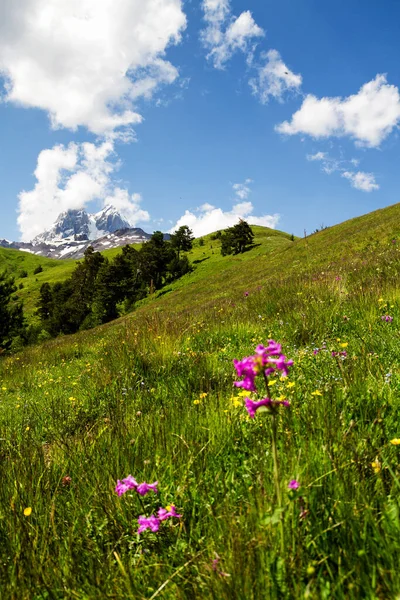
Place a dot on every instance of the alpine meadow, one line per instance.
(199, 300)
(141, 459)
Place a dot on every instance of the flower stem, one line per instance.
(277, 481)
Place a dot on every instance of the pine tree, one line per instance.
(12, 323)
(182, 240)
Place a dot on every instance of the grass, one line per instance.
(151, 394)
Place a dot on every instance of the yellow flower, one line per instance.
(344, 344)
(28, 428)
(203, 395)
(291, 384)
(27, 511)
(395, 442)
(272, 382)
(316, 393)
(376, 465)
(236, 402)
(196, 402)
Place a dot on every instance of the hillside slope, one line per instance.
(152, 395)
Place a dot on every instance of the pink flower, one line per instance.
(144, 488)
(125, 485)
(166, 513)
(148, 523)
(293, 485)
(253, 406)
(246, 368)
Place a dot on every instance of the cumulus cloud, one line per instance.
(85, 62)
(274, 78)
(242, 190)
(361, 181)
(368, 117)
(224, 34)
(128, 205)
(69, 177)
(208, 218)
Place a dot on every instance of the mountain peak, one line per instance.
(78, 225)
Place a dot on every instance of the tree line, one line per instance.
(100, 289)
(97, 291)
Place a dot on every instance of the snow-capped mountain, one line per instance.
(76, 230)
(78, 225)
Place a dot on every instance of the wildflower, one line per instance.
(269, 404)
(291, 384)
(148, 523)
(316, 393)
(387, 318)
(129, 483)
(27, 511)
(144, 488)
(376, 465)
(166, 513)
(293, 484)
(266, 360)
(66, 480)
(203, 395)
(395, 442)
(246, 294)
(344, 344)
(245, 368)
(196, 401)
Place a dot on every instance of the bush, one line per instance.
(38, 269)
(23, 274)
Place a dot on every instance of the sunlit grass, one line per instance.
(152, 395)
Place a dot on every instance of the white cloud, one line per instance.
(274, 78)
(368, 117)
(208, 218)
(329, 164)
(242, 190)
(128, 206)
(361, 181)
(69, 178)
(85, 62)
(225, 34)
(317, 156)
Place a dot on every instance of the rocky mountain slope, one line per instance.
(75, 230)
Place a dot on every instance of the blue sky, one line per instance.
(199, 112)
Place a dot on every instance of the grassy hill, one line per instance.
(152, 395)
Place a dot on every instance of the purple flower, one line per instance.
(387, 318)
(245, 368)
(253, 406)
(129, 483)
(246, 294)
(148, 523)
(166, 513)
(293, 485)
(267, 360)
(144, 488)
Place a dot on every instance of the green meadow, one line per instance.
(152, 395)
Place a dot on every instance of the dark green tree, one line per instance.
(237, 239)
(12, 323)
(45, 304)
(182, 240)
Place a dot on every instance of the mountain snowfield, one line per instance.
(75, 230)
